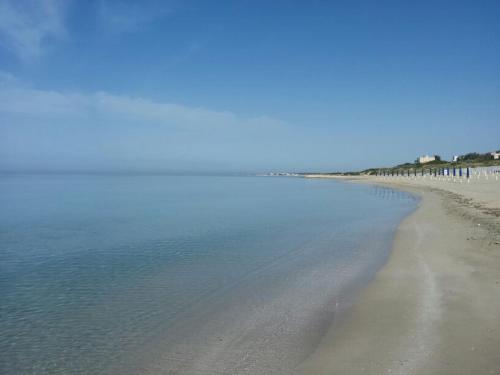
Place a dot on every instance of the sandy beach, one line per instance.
(434, 308)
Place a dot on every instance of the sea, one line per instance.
(182, 274)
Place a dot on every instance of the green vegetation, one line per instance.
(475, 157)
(472, 159)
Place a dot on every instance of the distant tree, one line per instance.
(405, 165)
(474, 156)
(438, 158)
(469, 156)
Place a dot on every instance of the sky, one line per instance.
(245, 86)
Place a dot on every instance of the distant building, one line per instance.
(495, 155)
(455, 158)
(426, 158)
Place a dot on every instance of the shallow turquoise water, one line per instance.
(194, 274)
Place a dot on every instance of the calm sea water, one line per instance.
(181, 274)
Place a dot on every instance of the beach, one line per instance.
(434, 308)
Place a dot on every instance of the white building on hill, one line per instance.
(425, 159)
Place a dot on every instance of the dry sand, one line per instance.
(435, 307)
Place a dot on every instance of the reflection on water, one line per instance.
(117, 274)
(391, 194)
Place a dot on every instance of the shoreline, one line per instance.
(433, 308)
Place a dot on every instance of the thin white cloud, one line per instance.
(53, 127)
(8, 80)
(126, 16)
(19, 100)
(26, 26)
(37, 103)
(157, 112)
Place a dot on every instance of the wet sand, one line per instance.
(434, 308)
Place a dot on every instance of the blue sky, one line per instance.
(245, 85)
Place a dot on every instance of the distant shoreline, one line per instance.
(434, 307)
